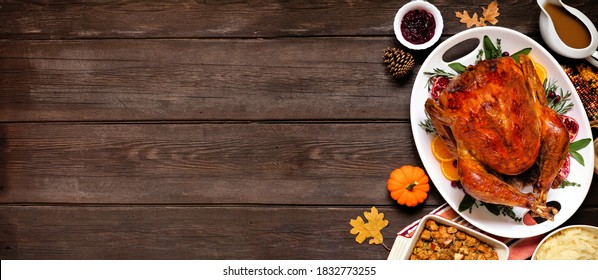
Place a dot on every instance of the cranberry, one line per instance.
(551, 94)
(456, 184)
(505, 54)
(557, 99)
(417, 26)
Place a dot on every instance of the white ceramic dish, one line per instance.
(552, 39)
(418, 5)
(591, 228)
(402, 247)
(570, 198)
(593, 59)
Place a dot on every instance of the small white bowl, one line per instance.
(418, 5)
(402, 247)
(591, 228)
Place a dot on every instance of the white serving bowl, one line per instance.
(418, 5)
(402, 247)
(590, 228)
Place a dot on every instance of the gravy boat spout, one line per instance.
(555, 42)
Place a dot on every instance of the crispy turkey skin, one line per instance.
(494, 118)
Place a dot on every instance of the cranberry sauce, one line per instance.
(418, 26)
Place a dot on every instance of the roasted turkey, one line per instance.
(494, 118)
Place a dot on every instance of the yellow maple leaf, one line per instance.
(488, 15)
(491, 13)
(371, 229)
(359, 229)
(375, 224)
(470, 21)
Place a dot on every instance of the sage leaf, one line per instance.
(466, 203)
(489, 49)
(493, 208)
(458, 67)
(577, 156)
(576, 146)
(525, 51)
(579, 144)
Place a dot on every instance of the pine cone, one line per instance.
(398, 62)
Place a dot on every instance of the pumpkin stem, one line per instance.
(410, 186)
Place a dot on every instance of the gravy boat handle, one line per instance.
(593, 59)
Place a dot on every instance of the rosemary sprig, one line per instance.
(480, 56)
(559, 102)
(439, 72)
(567, 183)
(435, 73)
(427, 126)
(550, 85)
(498, 48)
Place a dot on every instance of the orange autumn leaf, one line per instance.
(491, 13)
(371, 229)
(376, 222)
(359, 229)
(470, 21)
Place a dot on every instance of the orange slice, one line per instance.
(439, 150)
(449, 170)
(541, 71)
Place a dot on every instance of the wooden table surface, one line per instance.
(209, 129)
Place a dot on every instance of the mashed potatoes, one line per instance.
(570, 244)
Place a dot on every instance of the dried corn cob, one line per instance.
(585, 89)
(588, 74)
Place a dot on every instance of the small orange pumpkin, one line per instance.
(408, 185)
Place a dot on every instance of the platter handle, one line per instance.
(461, 48)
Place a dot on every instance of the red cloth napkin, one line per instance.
(519, 249)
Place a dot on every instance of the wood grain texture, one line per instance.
(200, 79)
(311, 163)
(38, 232)
(209, 129)
(109, 80)
(226, 19)
(187, 233)
(253, 79)
(257, 163)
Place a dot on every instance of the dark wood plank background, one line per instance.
(208, 129)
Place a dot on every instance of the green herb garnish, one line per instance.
(525, 51)
(567, 183)
(467, 203)
(436, 72)
(458, 67)
(576, 146)
(499, 209)
(558, 100)
(490, 50)
(428, 126)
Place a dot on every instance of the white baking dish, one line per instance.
(402, 247)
